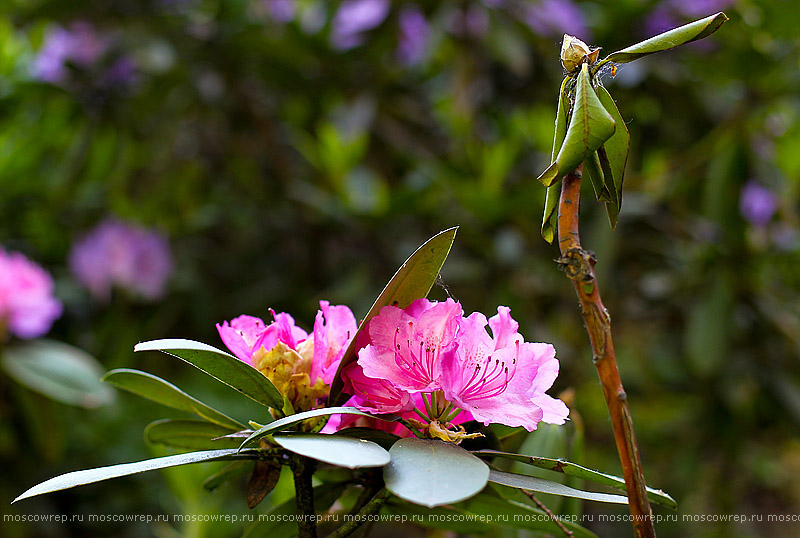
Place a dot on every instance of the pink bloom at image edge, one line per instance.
(117, 253)
(27, 306)
(431, 346)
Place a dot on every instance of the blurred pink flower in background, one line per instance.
(414, 38)
(120, 254)
(757, 203)
(27, 305)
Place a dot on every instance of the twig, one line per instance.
(372, 507)
(578, 264)
(541, 505)
(303, 470)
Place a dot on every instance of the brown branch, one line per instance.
(546, 510)
(303, 469)
(578, 264)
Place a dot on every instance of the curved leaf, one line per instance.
(59, 371)
(432, 473)
(573, 469)
(191, 434)
(380, 437)
(668, 40)
(158, 390)
(336, 450)
(227, 473)
(287, 422)
(90, 476)
(412, 281)
(551, 198)
(614, 155)
(592, 168)
(589, 126)
(531, 483)
(222, 366)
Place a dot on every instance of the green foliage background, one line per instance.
(285, 172)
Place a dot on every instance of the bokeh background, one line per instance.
(175, 163)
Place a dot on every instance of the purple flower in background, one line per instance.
(699, 8)
(120, 254)
(355, 17)
(79, 44)
(660, 20)
(27, 305)
(282, 11)
(556, 17)
(414, 35)
(473, 21)
(757, 203)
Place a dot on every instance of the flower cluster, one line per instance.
(300, 365)
(27, 305)
(430, 355)
(120, 254)
(426, 361)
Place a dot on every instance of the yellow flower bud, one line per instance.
(574, 52)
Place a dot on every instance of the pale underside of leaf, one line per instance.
(532, 483)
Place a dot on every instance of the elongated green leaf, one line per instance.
(412, 281)
(222, 366)
(572, 469)
(335, 449)
(432, 473)
(540, 485)
(161, 391)
(551, 198)
(592, 168)
(514, 514)
(287, 422)
(59, 371)
(191, 434)
(90, 476)
(668, 40)
(589, 126)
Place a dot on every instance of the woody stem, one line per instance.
(578, 264)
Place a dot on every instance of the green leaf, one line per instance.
(412, 281)
(572, 469)
(551, 198)
(222, 366)
(335, 449)
(227, 473)
(616, 151)
(540, 485)
(158, 390)
(514, 514)
(668, 40)
(59, 371)
(380, 437)
(432, 473)
(191, 434)
(592, 168)
(90, 476)
(589, 126)
(287, 422)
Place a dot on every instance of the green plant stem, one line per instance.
(578, 264)
(303, 470)
(361, 516)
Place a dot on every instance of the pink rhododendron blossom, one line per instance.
(334, 326)
(247, 334)
(454, 369)
(406, 345)
(27, 305)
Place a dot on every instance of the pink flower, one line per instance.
(449, 362)
(334, 326)
(406, 345)
(502, 378)
(27, 305)
(247, 334)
